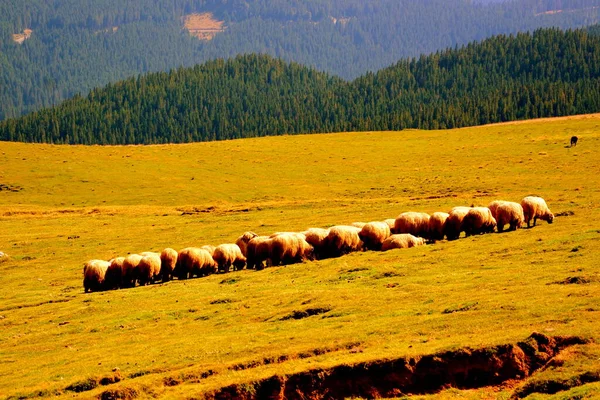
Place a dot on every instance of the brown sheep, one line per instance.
(130, 269)
(415, 223)
(210, 248)
(401, 241)
(243, 240)
(229, 254)
(258, 252)
(194, 261)
(94, 272)
(477, 221)
(289, 249)
(114, 274)
(168, 261)
(149, 269)
(437, 225)
(316, 238)
(534, 208)
(454, 222)
(342, 239)
(392, 224)
(510, 213)
(373, 234)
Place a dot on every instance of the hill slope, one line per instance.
(548, 73)
(68, 204)
(78, 45)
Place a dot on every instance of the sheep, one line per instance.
(130, 269)
(437, 225)
(210, 248)
(454, 222)
(168, 261)
(535, 207)
(358, 224)
(511, 213)
(373, 234)
(243, 240)
(289, 248)
(316, 238)
(258, 252)
(194, 261)
(114, 274)
(94, 273)
(416, 223)
(229, 254)
(574, 140)
(478, 220)
(392, 224)
(493, 206)
(342, 239)
(148, 268)
(401, 241)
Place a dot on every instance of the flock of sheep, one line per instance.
(252, 251)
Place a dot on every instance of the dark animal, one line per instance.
(574, 140)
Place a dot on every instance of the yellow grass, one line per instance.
(63, 205)
(204, 26)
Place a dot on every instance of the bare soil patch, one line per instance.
(204, 26)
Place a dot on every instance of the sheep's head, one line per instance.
(550, 218)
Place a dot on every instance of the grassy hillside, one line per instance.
(60, 206)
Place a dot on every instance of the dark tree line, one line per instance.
(74, 49)
(547, 73)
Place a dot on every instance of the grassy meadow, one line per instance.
(63, 205)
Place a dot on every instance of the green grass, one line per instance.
(71, 204)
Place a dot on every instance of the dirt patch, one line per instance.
(575, 280)
(568, 213)
(204, 26)
(123, 393)
(461, 369)
(92, 383)
(309, 312)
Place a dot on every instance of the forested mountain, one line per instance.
(76, 45)
(547, 73)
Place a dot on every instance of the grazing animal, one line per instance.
(289, 248)
(94, 272)
(168, 262)
(415, 223)
(535, 207)
(342, 239)
(493, 206)
(574, 140)
(373, 234)
(454, 222)
(316, 238)
(358, 224)
(401, 241)
(477, 221)
(509, 212)
(258, 252)
(210, 248)
(437, 225)
(148, 268)
(229, 254)
(130, 269)
(114, 274)
(392, 224)
(243, 240)
(194, 261)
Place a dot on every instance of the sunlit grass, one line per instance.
(70, 204)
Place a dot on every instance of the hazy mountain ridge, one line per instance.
(74, 48)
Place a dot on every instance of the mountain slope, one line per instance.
(78, 45)
(548, 73)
